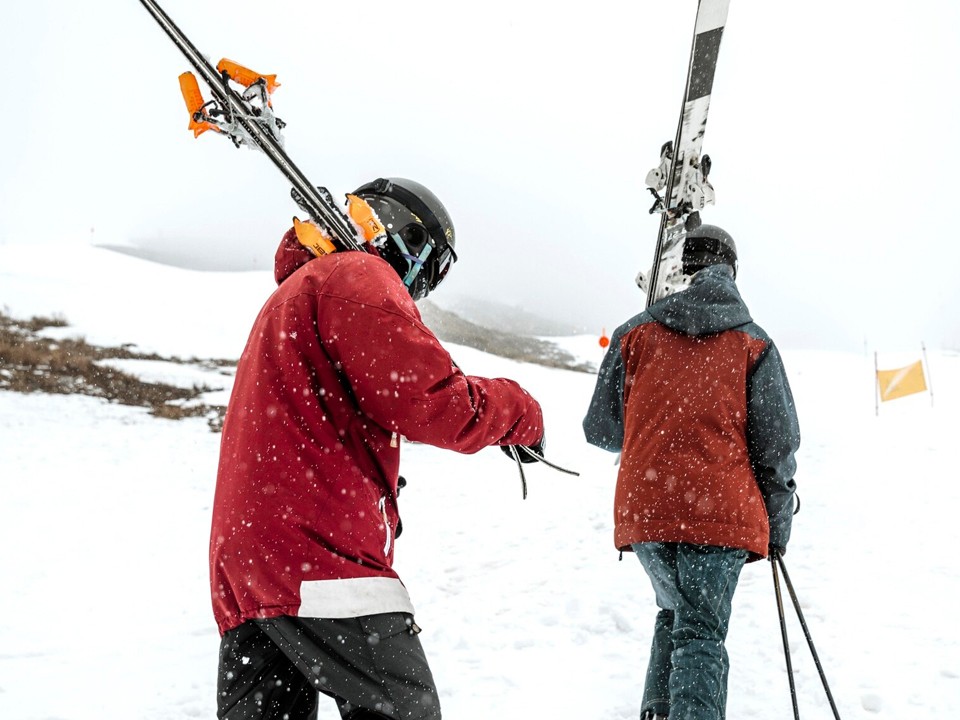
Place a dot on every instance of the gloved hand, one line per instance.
(774, 551)
(525, 457)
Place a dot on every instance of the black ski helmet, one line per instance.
(420, 242)
(708, 245)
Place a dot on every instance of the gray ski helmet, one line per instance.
(420, 243)
(708, 245)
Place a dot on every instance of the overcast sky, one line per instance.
(832, 133)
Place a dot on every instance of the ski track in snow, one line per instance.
(524, 605)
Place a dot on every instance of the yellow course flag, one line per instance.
(905, 381)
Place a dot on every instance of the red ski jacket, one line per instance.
(337, 367)
(694, 395)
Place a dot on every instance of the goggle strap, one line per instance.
(417, 261)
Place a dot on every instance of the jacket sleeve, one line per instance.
(404, 380)
(773, 437)
(603, 424)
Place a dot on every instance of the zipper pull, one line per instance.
(382, 506)
(393, 441)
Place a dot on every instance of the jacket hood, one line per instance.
(710, 305)
(291, 255)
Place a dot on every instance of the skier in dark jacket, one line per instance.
(694, 396)
(337, 369)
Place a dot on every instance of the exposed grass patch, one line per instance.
(30, 363)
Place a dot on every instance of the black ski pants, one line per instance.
(373, 667)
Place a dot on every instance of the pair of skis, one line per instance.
(682, 174)
(247, 118)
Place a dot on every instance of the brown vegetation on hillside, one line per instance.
(30, 362)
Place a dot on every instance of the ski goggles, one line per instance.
(417, 246)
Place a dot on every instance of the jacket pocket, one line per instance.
(388, 625)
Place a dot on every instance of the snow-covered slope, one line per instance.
(525, 608)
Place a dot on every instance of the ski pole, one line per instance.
(540, 458)
(806, 630)
(783, 632)
(514, 451)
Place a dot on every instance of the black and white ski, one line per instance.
(682, 172)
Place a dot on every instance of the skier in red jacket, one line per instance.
(337, 369)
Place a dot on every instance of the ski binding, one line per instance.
(696, 191)
(216, 115)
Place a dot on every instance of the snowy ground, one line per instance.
(526, 611)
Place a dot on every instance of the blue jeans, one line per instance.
(688, 668)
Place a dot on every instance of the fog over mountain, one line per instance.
(536, 129)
